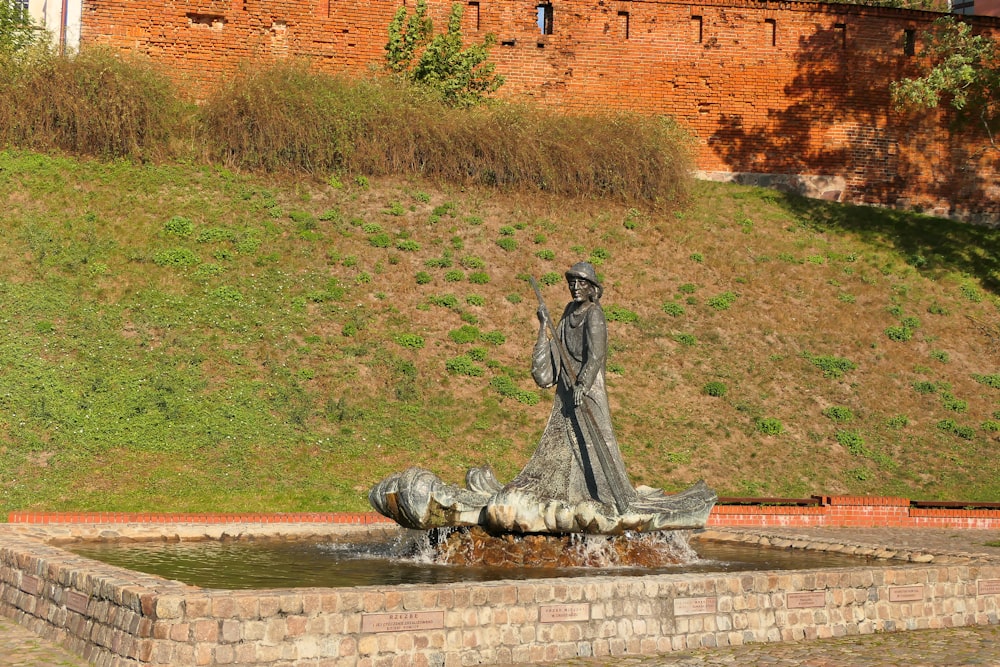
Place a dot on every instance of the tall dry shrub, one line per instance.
(97, 102)
(280, 118)
(287, 118)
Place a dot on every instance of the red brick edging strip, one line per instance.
(357, 518)
(854, 512)
(832, 511)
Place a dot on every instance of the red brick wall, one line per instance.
(835, 511)
(767, 87)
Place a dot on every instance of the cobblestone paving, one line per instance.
(953, 647)
(20, 647)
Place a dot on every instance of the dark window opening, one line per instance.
(474, 15)
(771, 31)
(213, 21)
(909, 42)
(623, 24)
(841, 29)
(545, 19)
(696, 29)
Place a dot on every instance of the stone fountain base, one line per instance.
(474, 546)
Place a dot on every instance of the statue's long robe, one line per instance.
(566, 465)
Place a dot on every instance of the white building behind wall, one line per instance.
(60, 18)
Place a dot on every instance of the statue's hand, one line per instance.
(578, 393)
(543, 316)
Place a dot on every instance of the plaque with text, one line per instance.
(989, 587)
(30, 584)
(806, 599)
(554, 613)
(906, 593)
(77, 602)
(402, 621)
(691, 606)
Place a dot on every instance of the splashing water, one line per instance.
(474, 546)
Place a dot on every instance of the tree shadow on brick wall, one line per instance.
(839, 120)
(815, 134)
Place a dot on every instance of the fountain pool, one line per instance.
(115, 615)
(411, 559)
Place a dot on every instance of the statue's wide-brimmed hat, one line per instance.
(586, 271)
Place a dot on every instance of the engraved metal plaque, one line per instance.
(906, 593)
(77, 602)
(805, 599)
(988, 587)
(402, 621)
(691, 606)
(554, 613)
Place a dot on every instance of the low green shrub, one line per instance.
(507, 243)
(380, 240)
(176, 257)
(722, 301)
(463, 365)
(409, 341)
(769, 426)
(832, 366)
(897, 421)
(988, 380)
(899, 334)
(616, 313)
(494, 337)
(714, 388)
(852, 442)
(551, 278)
(506, 387)
(445, 300)
(464, 334)
(686, 339)
(479, 278)
(673, 308)
(215, 235)
(178, 226)
(838, 413)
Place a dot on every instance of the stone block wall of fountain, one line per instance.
(118, 617)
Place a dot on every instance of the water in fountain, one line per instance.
(474, 546)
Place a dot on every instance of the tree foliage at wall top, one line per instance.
(462, 76)
(17, 30)
(923, 5)
(962, 71)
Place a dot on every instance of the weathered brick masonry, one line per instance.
(794, 89)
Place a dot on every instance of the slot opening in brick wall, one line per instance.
(909, 42)
(213, 21)
(623, 24)
(770, 32)
(545, 19)
(473, 13)
(840, 31)
(696, 29)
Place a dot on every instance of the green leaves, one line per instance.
(461, 76)
(964, 74)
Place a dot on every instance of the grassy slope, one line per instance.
(281, 372)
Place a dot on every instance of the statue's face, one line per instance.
(580, 289)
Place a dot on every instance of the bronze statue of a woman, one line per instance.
(575, 482)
